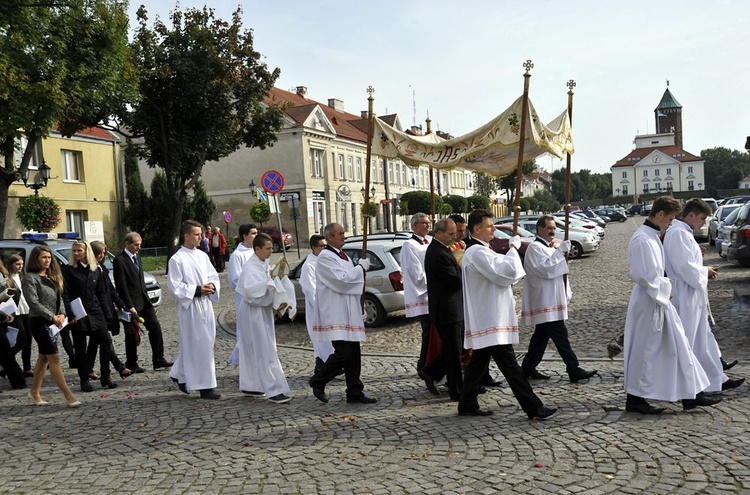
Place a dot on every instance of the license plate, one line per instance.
(152, 294)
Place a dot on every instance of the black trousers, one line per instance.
(93, 349)
(346, 355)
(450, 358)
(424, 322)
(8, 360)
(67, 343)
(155, 338)
(97, 338)
(23, 342)
(558, 332)
(505, 358)
(218, 259)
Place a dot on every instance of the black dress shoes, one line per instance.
(730, 384)
(136, 369)
(581, 374)
(474, 412)
(360, 399)
(207, 393)
(181, 386)
(162, 363)
(728, 366)
(543, 413)
(488, 381)
(108, 383)
(535, 375)
(702, 400)
(318, 392)
(429, 382)
(86, 385)
(124, 373)
(643, 408)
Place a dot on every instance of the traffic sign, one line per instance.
(227, 216)
(272, 182)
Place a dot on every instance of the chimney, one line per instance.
(302, 91)
(364, 114)
(337, 105)
(417, 130)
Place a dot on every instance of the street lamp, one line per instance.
(372, 193)
(618, 191)
(252, 187)
(700, 186)
(40, 181)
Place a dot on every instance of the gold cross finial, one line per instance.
(528, 65)
(571, 84)
(370, 90)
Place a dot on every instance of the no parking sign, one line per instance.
(272, 182)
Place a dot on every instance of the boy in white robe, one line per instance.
(659, 363)
(546, 293)
(194, 283)
(338, 316)
(260, 368)
(684, 266)
(307, 281)
(237, 260)
(488, 279)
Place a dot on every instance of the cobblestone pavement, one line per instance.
(147, 437)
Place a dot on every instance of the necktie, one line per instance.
(343, 256)
(135, 261)
(551, 244)
(426, 241)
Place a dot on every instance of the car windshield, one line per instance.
(65, 252)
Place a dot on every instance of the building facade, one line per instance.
(85, 181)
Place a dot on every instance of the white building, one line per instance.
(744, 183)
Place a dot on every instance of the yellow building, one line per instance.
(85, 181)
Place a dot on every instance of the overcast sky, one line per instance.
(462, 62)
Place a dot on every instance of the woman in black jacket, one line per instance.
(84, 280)
(111, 303)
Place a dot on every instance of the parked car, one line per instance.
(503, 233)
(716, 221)
(646, 210)
(738, 250)
(722, 236)
(590, 215)
(582, 240)
(581, 223)
(384, 288)
(613, 214)
(732, 200)
(712, 203)
(274, 233)
(61, 248)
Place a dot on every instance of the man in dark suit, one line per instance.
(445, 301)
(131, 288)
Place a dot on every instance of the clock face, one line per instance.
(656, 159)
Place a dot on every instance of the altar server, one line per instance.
(322, 349)
(237, 260)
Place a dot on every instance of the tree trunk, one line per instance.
(4, 187)
(174, 226)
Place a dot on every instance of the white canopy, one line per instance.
(492, 149)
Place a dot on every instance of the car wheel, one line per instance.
(576, 250)
(744, 262)
(375, 315)
(711, 241)
(276, 247)
(622, 219)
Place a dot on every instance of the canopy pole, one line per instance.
(368, 168)
(571, 84)
(432, 178)
(528, 65)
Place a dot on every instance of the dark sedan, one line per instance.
(739, 238)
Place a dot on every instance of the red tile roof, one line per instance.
(639, 154)
(94, 132)
(298, 108)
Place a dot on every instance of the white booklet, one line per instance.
(76, 305)
(12, 336)
(124, 315)
(54, 329)
(8, 307)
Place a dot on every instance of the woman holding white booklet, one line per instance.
(43, 288)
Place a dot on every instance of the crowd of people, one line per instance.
(457, 286)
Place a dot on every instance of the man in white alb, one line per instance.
(237, 260)
(307, 281)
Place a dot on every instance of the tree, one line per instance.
(202, 87)
(137, 212)
(724, 168)
(508, 183)
(419, 202)
(546, 201)
(485, 185)
(199, 207)
(62, 64)
(459, 204)
(478, 202)
(260, 212)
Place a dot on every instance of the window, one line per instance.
(645, 188)
(669, 185)
(656, 172)
(690, 170)
(342, 174)
(624, 190)
(373, 171)
(316, 163)
(380, 171)
(403, 174)
(669, 171)
(350, 167)
(359, 168)
(390, 173)
(72, 166)
(624, 175)
(645, 173)
(75, 221)
(690, 185)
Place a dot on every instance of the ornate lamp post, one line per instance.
(41, 180)
(252, 187)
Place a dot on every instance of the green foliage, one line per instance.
(372, 210)
(61, 63)
(459, 204)
(584, 185)
(199, 207)
(525, 204)
(546, 201)
(419, 202)
(138, 211)
(478, 202)
(724, 168)
(202, 88)
(38, 213)
(485, 185)
(533, 203)
(403, 207)
(445, 209)
(260, 212)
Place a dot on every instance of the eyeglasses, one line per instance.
(321, 246)
(423, 223)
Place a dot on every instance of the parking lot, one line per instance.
(146, 437)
